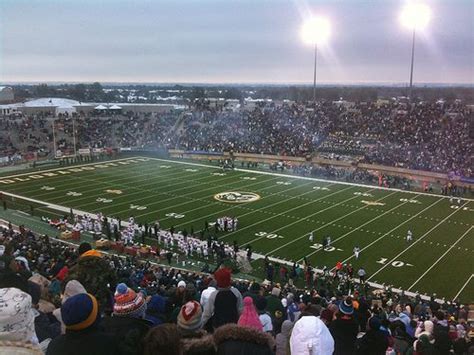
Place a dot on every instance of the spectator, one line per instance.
(234, 339)
(249, 316)
(311, 336)
(72, 288)
(127, 321)
(156, 310)
(442, 342)
(194, 340)
(344, 328)
(17, 334)
(225, 304)
(80, 314)
(263, 315)
(163, 339)
(207, 292)
(283, 339)
(374, 341)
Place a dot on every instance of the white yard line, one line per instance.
(463, 286)
(204, 199)
(316, 179)
(416, 241)
(194, 192)
(68, 186)
(355, 229)
(441, 257)
(393, 229)
(284, 212)
(142, 159)
(83, 180)
(217, 202)
(324, 225)
(142, 188)
(253, 211)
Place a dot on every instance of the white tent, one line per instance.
(115, 107)
(100, 107)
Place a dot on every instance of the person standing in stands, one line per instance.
(344, 328)
(225, 304)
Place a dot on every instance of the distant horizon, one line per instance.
(191, 84)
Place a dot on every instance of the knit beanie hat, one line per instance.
(346, 306)
(80, 311)
(249, 316)
(17, 318)
(222, 277)
(182, 284)
(190, 316)
(128, 303)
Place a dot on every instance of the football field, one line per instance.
(276, 213)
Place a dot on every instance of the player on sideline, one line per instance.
(409, 236)
(328, 241)
(356, 252)
(311, 237)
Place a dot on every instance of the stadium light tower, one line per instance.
(414, 16)
(315, 31)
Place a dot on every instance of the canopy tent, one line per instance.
(115, 107)
(100, 107)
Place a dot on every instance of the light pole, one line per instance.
(315, 31)
(74, 136)
(414, 16)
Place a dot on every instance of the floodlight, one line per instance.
(315, 30)
(415, 15)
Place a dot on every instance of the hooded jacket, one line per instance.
(282, 339)
(233, 339)
(310, 336)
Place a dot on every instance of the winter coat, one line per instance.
(282, 339)
(442, 342)
(224, 306)
(310, 336)
(197, 343)
(374, 342)
(232, 339)
(344, 331)
(129, 332)
(91, 341)
(273, 305)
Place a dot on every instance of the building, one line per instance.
(6, 94)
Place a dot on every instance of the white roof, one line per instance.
(100, 107)
(51, 101)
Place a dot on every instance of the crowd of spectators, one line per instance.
(427, 136)
(57, 299)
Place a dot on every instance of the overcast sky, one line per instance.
(229, 41)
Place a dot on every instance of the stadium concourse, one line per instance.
(69, 297)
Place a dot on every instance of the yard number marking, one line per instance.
(396, 263)
(137, 207)
(268, 235)
(103, 200)
(47, 188)
(365, 194)
(410, 201)
(174, 215)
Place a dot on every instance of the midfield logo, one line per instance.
(236, 197)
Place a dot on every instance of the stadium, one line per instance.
(223, 219)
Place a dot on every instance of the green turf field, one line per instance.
(278, 216)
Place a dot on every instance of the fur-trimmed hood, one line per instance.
(245, 334)
(198, 342)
